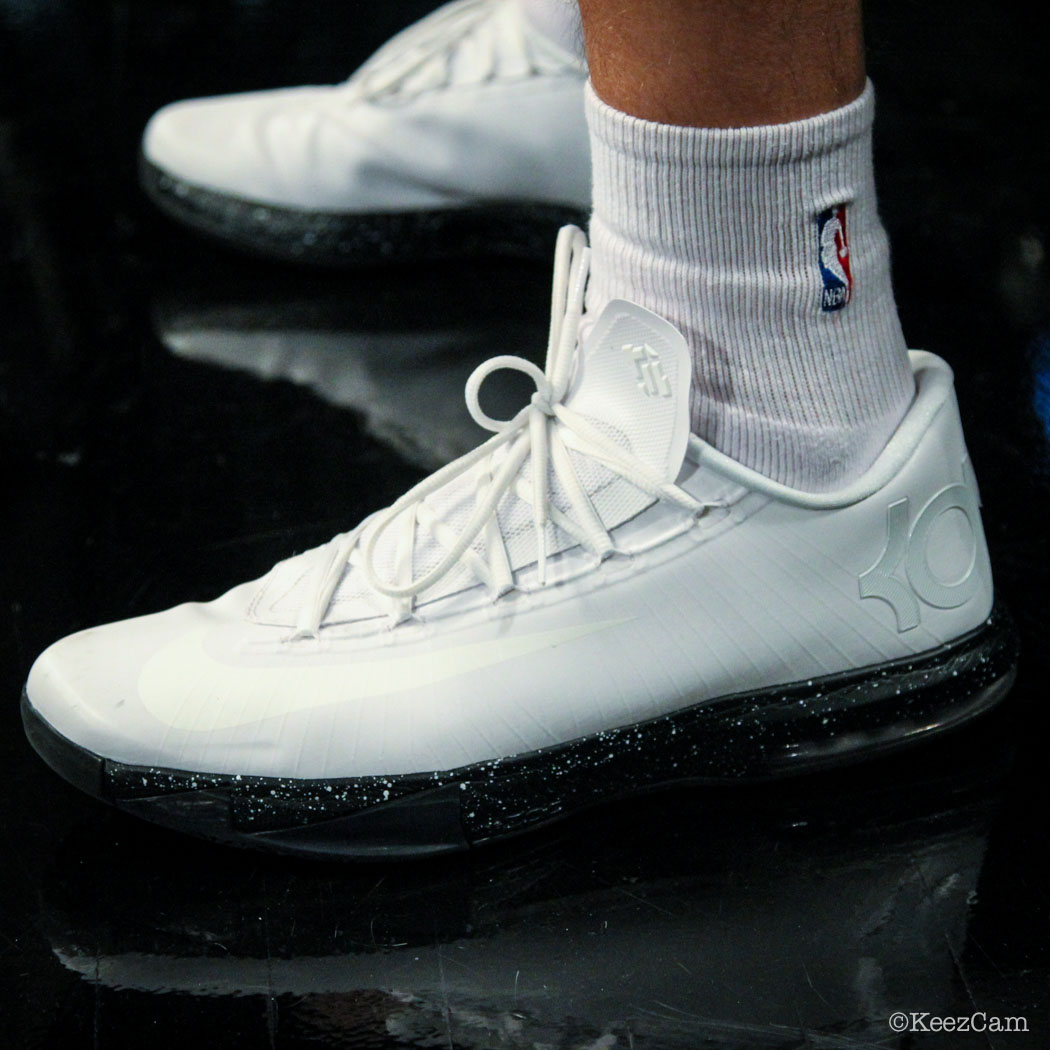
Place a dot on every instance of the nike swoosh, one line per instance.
(186, 688)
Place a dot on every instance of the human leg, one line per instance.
(759, 239)
(724, 63)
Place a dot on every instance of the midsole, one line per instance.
(773, 732)
(335, 237)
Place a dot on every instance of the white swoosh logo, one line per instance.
(184, 687)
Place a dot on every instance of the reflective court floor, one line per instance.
(174, 418)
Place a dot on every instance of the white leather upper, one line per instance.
(768, 587)
(469, 106)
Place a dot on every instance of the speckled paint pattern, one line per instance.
(789, 730)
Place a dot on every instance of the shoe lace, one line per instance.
(422, 57)
(542, 433)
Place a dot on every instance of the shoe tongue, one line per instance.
(631, 381)
(633, 374)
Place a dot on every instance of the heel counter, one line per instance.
(932, 573)
(946, 560)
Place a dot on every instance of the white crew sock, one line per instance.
(558, 20)
(730, 235)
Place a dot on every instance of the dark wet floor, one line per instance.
(174, 418)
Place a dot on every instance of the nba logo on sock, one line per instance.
(834, 259)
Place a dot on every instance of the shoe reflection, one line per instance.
(725, 918)
(396, 350)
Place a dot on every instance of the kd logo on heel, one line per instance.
(938, 553)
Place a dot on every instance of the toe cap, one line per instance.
(249, 146)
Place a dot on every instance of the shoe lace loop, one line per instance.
(542, 433)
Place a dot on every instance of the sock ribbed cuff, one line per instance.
(725, 232)
(731, 147)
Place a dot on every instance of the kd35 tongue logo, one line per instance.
(938, 554)
(652, 379)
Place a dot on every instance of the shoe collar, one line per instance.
(933, 382)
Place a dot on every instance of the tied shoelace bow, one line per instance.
(542, 432)
(422, 57)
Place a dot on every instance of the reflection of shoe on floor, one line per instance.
(592, 603)
(707, 905)
(404, 375)
(464, 133)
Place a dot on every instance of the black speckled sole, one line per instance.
(799, 728)
(517, 229)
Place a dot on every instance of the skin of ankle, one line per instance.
(724, 63)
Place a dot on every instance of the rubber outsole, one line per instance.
(780, 731)
(517, 229)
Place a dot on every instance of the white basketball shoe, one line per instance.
(594, 602)
(465, 132)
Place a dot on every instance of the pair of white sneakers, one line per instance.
(592, 603)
